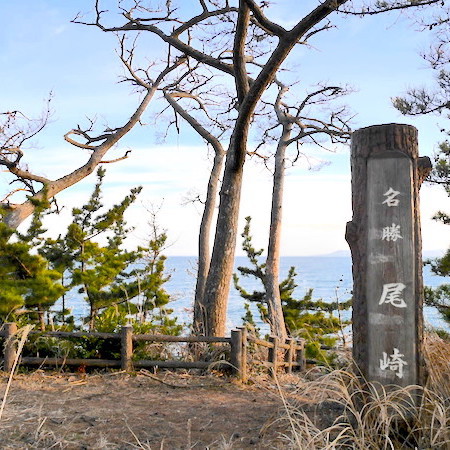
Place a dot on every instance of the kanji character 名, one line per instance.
(390, 195)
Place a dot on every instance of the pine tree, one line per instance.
(440, 296)
(61, 260)
(153, 314)
(28, 285)
(117, 283)
(308, 318)
(101, 272)
(435, 100)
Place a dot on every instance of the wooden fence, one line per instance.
(285, 355)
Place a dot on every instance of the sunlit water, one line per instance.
(330, 277)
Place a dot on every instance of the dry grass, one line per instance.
(127, 411)
(437, 356)
(22, 333)
(340, 410)
(323, 410)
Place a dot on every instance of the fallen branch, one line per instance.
(148, 374)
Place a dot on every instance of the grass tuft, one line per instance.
(437, 351)
(340, 410)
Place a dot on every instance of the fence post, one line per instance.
(273, 354)
(10, 346)
(244, 343)
(126, 347)
(301, 357)
(289, 354)
(236, 352)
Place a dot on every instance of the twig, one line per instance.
(139, 443)
(24, 331)
(146, 373)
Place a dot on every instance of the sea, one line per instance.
(330, 277)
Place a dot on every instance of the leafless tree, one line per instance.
(209, 203)
(199, 37)
(297, 125)
(16, 130)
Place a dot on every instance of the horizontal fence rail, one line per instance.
(287, 355)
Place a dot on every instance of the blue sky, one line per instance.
(43, 52)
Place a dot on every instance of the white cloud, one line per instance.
(317, 205)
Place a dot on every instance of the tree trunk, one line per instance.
(204, 253)
(41, 319)
(92, 316)
(272, 277)
(373, 321)
(218, 281)
(14, 216)
(217, 285)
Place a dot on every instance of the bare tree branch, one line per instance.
(241, 78)
(137, 24)
(98, 145)
(381, 7)
(117, 159)
(264, 22)
(205, 134)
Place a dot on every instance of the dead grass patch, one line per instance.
(340, 410)
(120, 411)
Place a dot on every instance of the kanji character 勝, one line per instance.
(391, 233)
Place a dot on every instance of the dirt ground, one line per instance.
(120, 411)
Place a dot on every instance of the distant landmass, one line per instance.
(338, 254)
(433, 253)
(347, 254)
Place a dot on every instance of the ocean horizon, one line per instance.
(329, 276)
